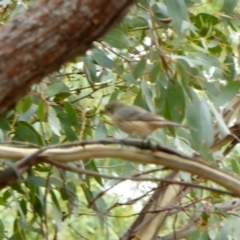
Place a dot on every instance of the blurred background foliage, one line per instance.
(178, 59)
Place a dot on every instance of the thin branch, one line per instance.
(138, 179)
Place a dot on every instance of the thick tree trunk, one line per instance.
(49, 34)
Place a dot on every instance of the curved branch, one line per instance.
(158, 156)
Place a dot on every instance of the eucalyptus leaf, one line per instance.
(54, 121)
(101, 132)
(229, 71)
(56, 88)
(117, 38)
(178, 11)
(229, 5)
(26, 133)
(139, 69)
(57, 215)
(3, 2)
(227, 93)
(102, 59)
(175, 101)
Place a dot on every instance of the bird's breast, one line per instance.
(135, 128)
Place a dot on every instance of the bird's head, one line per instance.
(112, 107)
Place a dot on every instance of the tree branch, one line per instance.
(146, 154)
(48, 35)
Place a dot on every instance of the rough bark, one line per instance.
(49, 34)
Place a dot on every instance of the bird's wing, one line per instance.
(158, 121)
(133, 113)
(150, 117)
(138, 114)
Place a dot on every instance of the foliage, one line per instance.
(176, 58)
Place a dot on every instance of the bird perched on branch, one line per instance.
(135, 120)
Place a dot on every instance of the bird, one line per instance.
(134, 120)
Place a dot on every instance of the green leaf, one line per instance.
(2, 231)
(42, 168)
(184, 72)
(18, 188)
(24, 104)
(55, 181)
(72, 115)
(130, 78)
(25, 116)
(18, 231)
(228, 6)
(4, 125)
(26, 133)
(236, 229)
(135, 23)
(139, 69)
(92, 166)
(55, 200)
(41, 111)
(206, 123)
(117, 39)
(23, 206)
(90, 69)
(178, 11)
(199, 234)
(229, 69)
(88, 194)
(147, 95)
(199, 118)
(62, 115)
(61, 96)
(100, 204)
(28, 227)
(224, 130)
(155, 73)
(228, 93)
(6, 195)
(43, 182)
(101, 58)
(213, 221)
(201, 59)
(204, 21)
(235, 166)
(55, 88)
(101, 132)
(226, 229)
(70, 134)
(140, 101)
(37, 181)
(4, 2)
(175, 101)
(68, 192)
(57, 215)
(2, 201)
(54, 121)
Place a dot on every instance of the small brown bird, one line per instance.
(135, 120)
